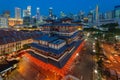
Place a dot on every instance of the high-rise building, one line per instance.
(97, 13)
(50, 12)
(38, 14)
(97, 16)
(6, 14)
(117, 12)
(90, 17)
(29, 10)
(27, 16)
(109, 15)
(17, 13)
(101, 16)
(3, 22)
(25, 13)
(62, 14)
(27, 20)
(81, 15)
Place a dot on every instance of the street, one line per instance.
(84, 69)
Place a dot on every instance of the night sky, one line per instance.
(68, 6)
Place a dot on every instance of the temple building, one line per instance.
(60, 39)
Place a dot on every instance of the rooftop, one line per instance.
(47, 49)
(46, 38)
(9, 36)
(60, 24)
(59, 41)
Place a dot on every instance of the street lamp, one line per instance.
(94, 44)
(95, 38)
(116, 37)
(95, 71)
(94, 50)
(88, 34)
(86, 39)
(77, 54)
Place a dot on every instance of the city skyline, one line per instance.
(71, 7)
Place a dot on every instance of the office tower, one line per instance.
(38, 14)
(97, 13)
(90, 17)
(3, 22)
(27, 21)
(29, 10)
(62, 14)
(50, 12)
(117, 12)
(101, 16)
(81, 15)
(17, 13)
(27, 16)
(6, 14)
(109, 15)
(25, 13)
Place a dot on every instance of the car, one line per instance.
(115, 55)
(107, 61)
(114, 61)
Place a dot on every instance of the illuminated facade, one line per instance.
(109, 15)
(17, 13)
(61, 38)
(38, 14)
(13, 22)
(29, 10)
(27, 19)
(117, 12)
(12, 40)
(51, 12)
(3, 22)
(25, 13)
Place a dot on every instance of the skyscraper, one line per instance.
(6, 14)
(90, 17)
(101, 16)
(17, 13)
(3, 22)
(38, 14)
(29, 10)
(109, 15)
(97, 15)
(25, 13)
(62, 14)
(27, 16)
(117, 12)
(50, 12)
(81, 15)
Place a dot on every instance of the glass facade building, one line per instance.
(117, 12)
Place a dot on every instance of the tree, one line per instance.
(110, 26)
(26, 46)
